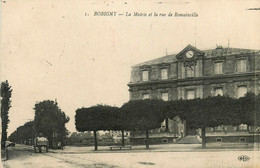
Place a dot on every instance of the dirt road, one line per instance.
(24, 157)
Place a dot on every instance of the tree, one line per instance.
(143, 115)
(248, 112)
(176, 108)
(118, 123)
(50, 120)
(6, 93)
(211, 112)
(14, 137)
(23, 133)
(257, 111)
(28, 131)
(207, 112)
(95, 118)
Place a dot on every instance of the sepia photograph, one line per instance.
(130, 84)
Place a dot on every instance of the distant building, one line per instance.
(117, 136)
(195, 73)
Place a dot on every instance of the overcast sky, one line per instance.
(51, 50)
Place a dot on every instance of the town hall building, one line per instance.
(194, 73)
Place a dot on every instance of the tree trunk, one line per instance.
(95, 136)
(184, 128)
(4, 126)
(123, 138)
(50, 142)
(203, 136)
(147, 139)
(174, 128)
(166, 124)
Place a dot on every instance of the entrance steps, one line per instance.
(190, 139)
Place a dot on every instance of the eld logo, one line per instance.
(243, 158)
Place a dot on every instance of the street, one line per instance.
(23, 157)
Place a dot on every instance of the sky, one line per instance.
(60, 50)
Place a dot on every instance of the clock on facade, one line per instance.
(189, 54)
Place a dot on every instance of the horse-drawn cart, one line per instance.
(41, 142)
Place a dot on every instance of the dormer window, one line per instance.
(218, 67)
(145, 74)
(241, 65)
(164, 73)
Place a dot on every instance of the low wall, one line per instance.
(246, 139)
(152, 140)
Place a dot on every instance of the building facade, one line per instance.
(195, 73)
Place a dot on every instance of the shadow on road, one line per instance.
(19, 152)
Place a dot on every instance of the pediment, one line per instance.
(189, 53)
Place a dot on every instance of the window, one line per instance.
(219, 128)
(145, 75)
(241, 91)
(164, 73)
(164, 140)
(242, 127)
(164, 96)
(218, 91)
(190, 94)
(146, 96)
(189, 71)
(218, 67)
(218, 140)
(242, 140)
(241, 65)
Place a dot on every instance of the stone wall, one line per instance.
(234, 139)
(157, 140)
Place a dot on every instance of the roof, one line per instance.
(207, 54)
(164, 59)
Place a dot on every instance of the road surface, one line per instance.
(24, 157)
